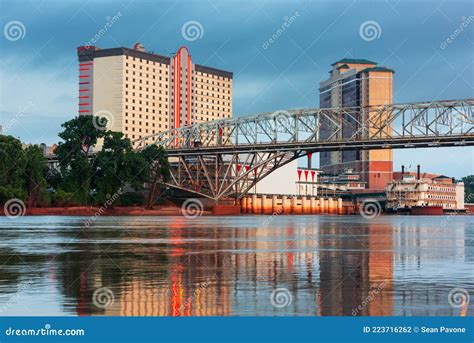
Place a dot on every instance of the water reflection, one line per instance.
(169, 266)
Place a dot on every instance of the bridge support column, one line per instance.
(243, 204)
(267, 205)
(322, 205)
(284, 205)
(275, 207)
(304, 204)
(312, 205)
(339, 206)
(331, 206)
(254, 203)
(294, 202)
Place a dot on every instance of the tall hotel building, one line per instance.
(357, 83)
(142, 93)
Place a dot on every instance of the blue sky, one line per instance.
(38, 71)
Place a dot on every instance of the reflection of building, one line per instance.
(329, 269)
(412, 190)
(138, 90)
(433, 252)
(356, 273)
(357, 83)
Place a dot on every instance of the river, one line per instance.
(237, 266)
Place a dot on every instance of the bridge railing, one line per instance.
(437, 118)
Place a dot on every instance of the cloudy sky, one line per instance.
(38, 62)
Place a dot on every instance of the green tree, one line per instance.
(468, 188)
(118, 166)
(76, 165)
(33, 176)
(158, 171)
(12, 165)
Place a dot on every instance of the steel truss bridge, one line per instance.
(226, 158)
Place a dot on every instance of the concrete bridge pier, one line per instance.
(267, 205)
(304, 205)
(322, 205)
(243, 204)
(293, 208)
(284, 204)
(331, 206)
(340, 210)
(275, 207)
(263, 204)
(254, 204)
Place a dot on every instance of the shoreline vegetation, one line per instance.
(96, 168)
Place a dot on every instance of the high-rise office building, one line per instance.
(142, 93)
(357, 83)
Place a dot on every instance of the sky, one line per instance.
(38, 60)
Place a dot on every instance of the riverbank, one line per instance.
(114, 211)
(166, 210)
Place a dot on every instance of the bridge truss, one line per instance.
(226, 158)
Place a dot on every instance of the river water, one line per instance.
(237, 266)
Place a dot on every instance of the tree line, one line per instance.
(93, 165)
(468, 188)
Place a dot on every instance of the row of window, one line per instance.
(442, 189)
(145, 94)
(146, 82)
(199, 100)
(161, 65)
(153, 70)
(212, 88)
(221, 112)
(441, 197)
(153, 90)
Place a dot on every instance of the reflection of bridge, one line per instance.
(228, 157)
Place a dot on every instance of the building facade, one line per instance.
(357, 83)
(142, 93)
